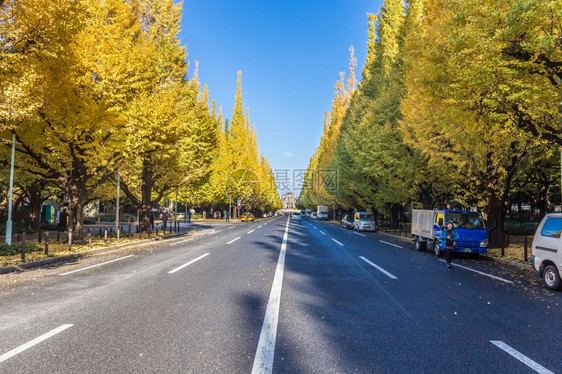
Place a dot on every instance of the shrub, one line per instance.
(520, 228)
(14, 249)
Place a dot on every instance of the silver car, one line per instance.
(547, 250)
(364, 221)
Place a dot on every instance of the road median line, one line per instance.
(263, 361)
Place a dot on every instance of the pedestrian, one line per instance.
(152, 221)
(63, 220)
(224, 215)
(164, 221)
(189, 216)
(449, 238)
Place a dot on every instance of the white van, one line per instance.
(547, 250)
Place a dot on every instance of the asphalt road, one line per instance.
(283, 297)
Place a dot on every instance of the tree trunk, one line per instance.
(146, 198)
(76, 196)
(495, 212)
(35, 202)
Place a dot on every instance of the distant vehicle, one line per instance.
(308, 213)
(314, 215)
(247, 217)
(296, 216)
(427, 226)
(547, 251)
(346, 222)
(364, 221)
(322, 212)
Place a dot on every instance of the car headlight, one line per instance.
(484, 243)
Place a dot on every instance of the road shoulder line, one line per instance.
(480, 272)
(521, 357)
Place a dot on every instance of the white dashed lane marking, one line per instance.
(35, 341)
(378, 268)
(189, 263)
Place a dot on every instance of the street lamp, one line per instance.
(9, 221)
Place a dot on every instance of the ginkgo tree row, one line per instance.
(458, 105)
(90, 88)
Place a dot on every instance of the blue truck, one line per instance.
(427, 226)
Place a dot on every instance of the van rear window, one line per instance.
(552, 228)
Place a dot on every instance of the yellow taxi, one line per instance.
(247, 217)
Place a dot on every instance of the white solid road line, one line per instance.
(378, 268)
(95, 266)
(263, 362)
(233, 240)
(337, 242)
(356, 233)
(251, 231)
(35, 341)
(394, 245)
(189, 263)
(479, 272)
(323, 233)
(521, 357)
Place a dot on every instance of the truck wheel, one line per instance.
(436, 250)
(551, 277)
(420, 246)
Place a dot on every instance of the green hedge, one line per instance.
(14, 249)
(109, 218)
(520, 228)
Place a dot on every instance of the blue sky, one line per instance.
(290, 54)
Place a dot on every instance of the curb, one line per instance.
(91, 252)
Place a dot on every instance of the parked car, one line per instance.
(346, 222)
(247, 217)
(547, 251)
(296, 216)
(322, 212)
(314, 215)
(364, 221)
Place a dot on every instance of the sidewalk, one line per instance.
(101, 250)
